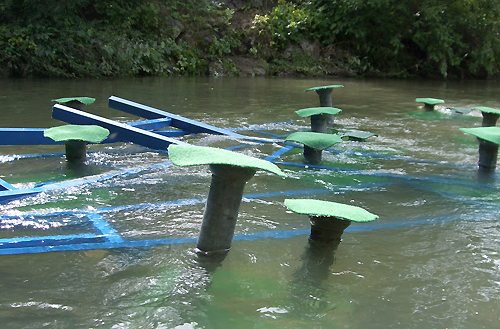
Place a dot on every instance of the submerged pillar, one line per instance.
(319, 123)
(328, 219)
(489, 140)
(223, 203)
(312, 156)
(328, 229)
(230, 173)
(490, 115)
(488, 155)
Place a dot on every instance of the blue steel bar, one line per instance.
(178, 121)
(34, 136)
(117, 129)
(4, 186)
(108, 232)
(25, 136)
(152, 124)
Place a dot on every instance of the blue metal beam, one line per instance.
(49, 240)
(178, 121)
(25, 136)
(4, 186)
(34, 136)
(117, 130)
(152, 124)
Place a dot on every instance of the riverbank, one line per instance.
(90, 39)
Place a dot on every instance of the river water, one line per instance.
(430, 261)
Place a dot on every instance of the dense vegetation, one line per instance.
(106, 38)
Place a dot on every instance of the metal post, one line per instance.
(223, 203)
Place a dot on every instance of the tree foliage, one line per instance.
(399, 38)
(414, 37)
(86, 38)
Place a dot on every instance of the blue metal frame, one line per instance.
(178, 121)
(145, 133)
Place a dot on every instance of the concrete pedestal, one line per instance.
(325, 100)
(328, 230)
(489, 119)
(312, 156)
(76, 151)
(223, 203)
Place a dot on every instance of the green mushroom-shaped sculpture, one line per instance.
(75, 138)
(358, 136)
(325, 97)
(314, 144)
(230, 172)
(490, 115)
(325, 94)
(320, 117)
(429, 103)
(328, 219)
(75, 102)
(489, 139)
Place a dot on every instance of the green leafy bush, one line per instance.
(414, 37)
(287, 22)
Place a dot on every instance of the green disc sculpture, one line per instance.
(429, 103)
(460, 110)
(357, 135)
(328, 219)
(314, 144)
(75, 102)
(230, 173)
(75, 138)
(325, 97)
(319, 117)
(490, 115)
(489, 139)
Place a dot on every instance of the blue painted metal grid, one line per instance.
(143, 133)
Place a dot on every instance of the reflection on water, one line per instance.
(431, 260)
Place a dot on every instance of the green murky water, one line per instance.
(430, 261)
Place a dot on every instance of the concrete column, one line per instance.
(489, 119)
(312, 156)
(223, 203)
(76, 151)
(328, 230)
(319, 123)
(325, 100)
(488, 154)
